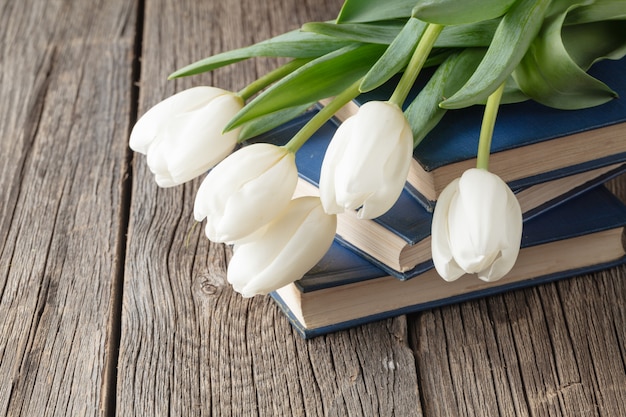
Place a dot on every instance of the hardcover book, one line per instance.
(531, 143)
(344, 289)
(399, 240)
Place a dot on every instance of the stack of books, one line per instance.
(556, 161)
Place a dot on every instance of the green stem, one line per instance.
(424, 46)
(271, 77)
(486, 129)
(323, 116)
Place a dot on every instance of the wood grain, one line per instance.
(190, 345)
(112, 301)
(64, 115)
(554, 350)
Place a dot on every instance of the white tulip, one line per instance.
(182, 135)
(476, 228)
(367, 161)
(290, 245)
(246, 191)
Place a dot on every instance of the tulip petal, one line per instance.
(510, 250)
(182, 136)
(245, 191)
(374, 135)
(367, 161)
(395, 169)
(196, 142)
(297, 257)
(292, 244)
(332, 160)
(150, 124)
(477, 227)
(478, 220)
(444, 262)
(484, 201)
(238, 168)
(257, 202)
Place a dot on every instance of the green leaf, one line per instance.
(516, 31)
(549, 75)
(295, 44)
(590, 42)
(557, 7)
(477, 34)
(399, 52)
(270, 121)
(454, 12)
(373, 10)
(424, 112)
(380, 32)
(597, 11)
(323, 77)
(512, 93)
(396, 57)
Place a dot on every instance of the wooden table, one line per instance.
(112, 303)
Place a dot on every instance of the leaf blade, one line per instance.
(294, 44)
(549, 75)
(479, 34)
(380, 32)
(424, 112)
(374, 10)
(511, 40)
(598, 11)
(324, 77)
(263, 124)
(396, 56)
(455, 12)
(588, 42)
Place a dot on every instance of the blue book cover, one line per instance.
(345, 290)
(407, 224)
(521, 124)
(556, 143)
(405, 252)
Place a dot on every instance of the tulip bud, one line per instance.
(290, 245)
(367, 161)
(182, 135)
(476, 228)
(246, 191)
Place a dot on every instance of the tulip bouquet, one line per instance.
(483, 52)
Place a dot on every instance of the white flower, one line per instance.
(182, 135)
(367, 161)
(477, 227)
(291, 245)
(245, 191)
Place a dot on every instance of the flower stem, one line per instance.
(486, 129)
(271, 77)
(423, 48)
(322, 117)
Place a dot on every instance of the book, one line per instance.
(344, 290)
(399, 240)
(531, 143)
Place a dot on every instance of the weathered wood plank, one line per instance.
(190, 346)
(554, 350)
(65, 82)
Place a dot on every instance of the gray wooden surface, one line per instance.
(112, 303)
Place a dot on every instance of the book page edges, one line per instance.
(353, 301)
(539, 194)
(367, 235)
(527, 161)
